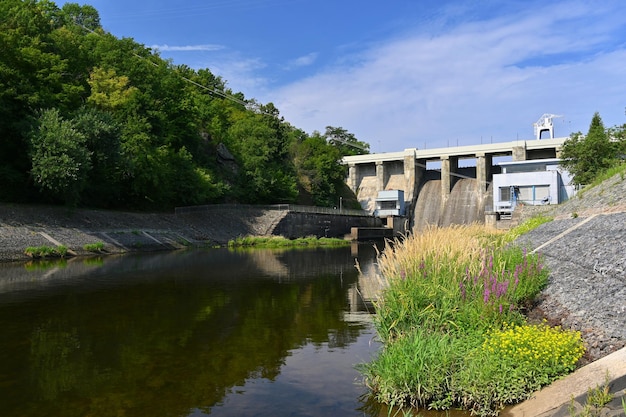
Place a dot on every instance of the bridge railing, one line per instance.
(279, 207)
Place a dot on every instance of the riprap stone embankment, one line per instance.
(584, 249)
(23, 226)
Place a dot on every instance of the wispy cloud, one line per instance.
(186, 48)
(480, 80)
(303, 61)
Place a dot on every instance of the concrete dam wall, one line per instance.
(464, 205)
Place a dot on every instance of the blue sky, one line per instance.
(402, 73)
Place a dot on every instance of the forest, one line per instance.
(91, 120)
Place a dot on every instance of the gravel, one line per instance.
(584, 249)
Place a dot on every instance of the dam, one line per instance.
(457, 191)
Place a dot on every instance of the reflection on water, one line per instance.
(188, 333)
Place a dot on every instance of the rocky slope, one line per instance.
(585, 250)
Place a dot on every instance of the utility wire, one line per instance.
(247, 105)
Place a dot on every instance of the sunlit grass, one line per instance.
(526, 226)
(282, 242)
(46, 251)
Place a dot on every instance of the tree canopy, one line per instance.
(90, 119)
(586, 156)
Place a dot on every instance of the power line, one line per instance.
(247, 105)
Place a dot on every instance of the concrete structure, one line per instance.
(406, 170)
(534, 182)
(390, 203)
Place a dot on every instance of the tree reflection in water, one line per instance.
(187, 333)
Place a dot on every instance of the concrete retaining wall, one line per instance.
(295, 224)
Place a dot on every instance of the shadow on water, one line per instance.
(188, 333)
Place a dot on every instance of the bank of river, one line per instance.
(23, 226)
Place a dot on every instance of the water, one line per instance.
(193, 333)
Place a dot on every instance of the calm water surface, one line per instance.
(193, 333)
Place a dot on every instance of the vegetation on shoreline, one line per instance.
(452, 324)
(46, 251)
(283, 242)
(94, 247)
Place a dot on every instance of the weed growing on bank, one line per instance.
(526, 227)
(452, 324)
(94, 247)
(46, 251)
(283, 242)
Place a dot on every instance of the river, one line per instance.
(190, 333)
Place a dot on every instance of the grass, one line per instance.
(452, 325)
(94, 247)
(46, 251)
(282, 242)
(526, 227)
(597, 398)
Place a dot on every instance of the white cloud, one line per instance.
(303, 61)
(241, 74)
(186, 48)
(481, 80)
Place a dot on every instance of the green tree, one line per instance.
(60, 159)
(587, 156)
(260, 147)
(102, 138)
(84, 16)
(319, 169)
(345, 141)
(109, 91)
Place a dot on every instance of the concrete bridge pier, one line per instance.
(484, 163)
(449, 167)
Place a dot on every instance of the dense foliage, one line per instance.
(586, 157)
(452, 326)
(90, 119)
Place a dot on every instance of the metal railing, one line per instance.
(294, 208)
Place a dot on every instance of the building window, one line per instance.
(505, 193)
(388, 205)
(534, 194)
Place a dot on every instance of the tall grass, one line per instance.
(448, 291)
